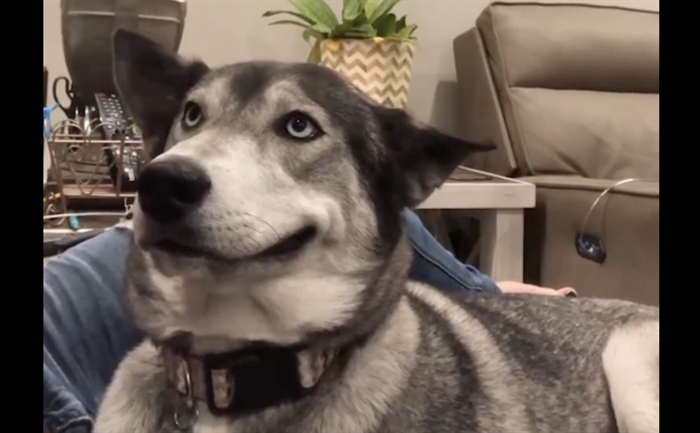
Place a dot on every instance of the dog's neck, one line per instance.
(381, 295)
(257, 376)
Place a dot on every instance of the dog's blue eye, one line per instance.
(300, 126)
(192, 115)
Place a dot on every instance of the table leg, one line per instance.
(502, 244)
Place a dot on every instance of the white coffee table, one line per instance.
(502, 201)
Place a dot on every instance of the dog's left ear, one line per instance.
(153, 84)
(422, 156)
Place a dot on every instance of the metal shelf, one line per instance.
(86, 166)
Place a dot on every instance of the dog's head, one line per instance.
(271, 203)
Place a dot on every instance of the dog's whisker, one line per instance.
(257, 218)
(255, 240)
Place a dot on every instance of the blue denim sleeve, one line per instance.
(434, 265)
(87, 331)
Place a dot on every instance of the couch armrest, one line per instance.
(627, 222)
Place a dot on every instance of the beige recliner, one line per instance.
(570, 93)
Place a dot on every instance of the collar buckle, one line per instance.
(251, 380)
(186, 413)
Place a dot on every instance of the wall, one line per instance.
(224, 31)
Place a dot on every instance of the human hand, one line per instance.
(516, 287)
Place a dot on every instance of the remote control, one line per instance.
(111, 115)
(115, 126)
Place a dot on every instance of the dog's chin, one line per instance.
(286, 248)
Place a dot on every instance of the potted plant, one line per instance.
(368, 45)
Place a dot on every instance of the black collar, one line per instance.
(248, 380)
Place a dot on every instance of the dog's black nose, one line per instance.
(170, 189)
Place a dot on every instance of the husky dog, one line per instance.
(269, 271)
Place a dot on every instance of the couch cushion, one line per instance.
(591, 134)
(578, 85)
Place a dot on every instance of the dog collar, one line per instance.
(244, 381)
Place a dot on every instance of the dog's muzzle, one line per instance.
(172, 188)
(170, 191)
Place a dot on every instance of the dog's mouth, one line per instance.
(291, 244)
(287, 246)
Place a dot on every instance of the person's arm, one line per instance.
(87, 331)
(434, 265)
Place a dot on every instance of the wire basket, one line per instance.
(85, 165)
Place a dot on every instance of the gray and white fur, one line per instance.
(298, 239)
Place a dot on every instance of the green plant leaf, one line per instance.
(370, 6)
(407, 32)
(386, 26)
(315, 53)
(291, 22)
(351, 9)
(401, 23)
(320, 28)
(340, 30)
(384, 7)
(292, 13)
(309, 34)
(364, 31)
(361, 20)
(371, 31)
(357, 35)
(317, 10)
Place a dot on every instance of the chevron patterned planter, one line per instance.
(380, 69)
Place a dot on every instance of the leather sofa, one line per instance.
(570, 94)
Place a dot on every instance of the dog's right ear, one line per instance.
(152, 83)
(420, 156)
